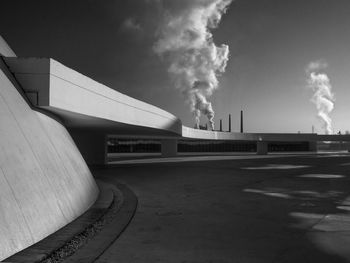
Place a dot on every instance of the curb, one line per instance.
(119, 220)
(110, 215)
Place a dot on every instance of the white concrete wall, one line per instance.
(213, 135)
(44, 181)
(65, 89)
(5, 49)
(210, 135)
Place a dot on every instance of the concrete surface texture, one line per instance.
(191, 133)
(67, 240)
(5, 49)
(92, 145)
(83, 100)
(169, 147)
(257, 210)
(44, 181)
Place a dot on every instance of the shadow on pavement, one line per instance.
(280, 210)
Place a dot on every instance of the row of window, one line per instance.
(133, 146)
(154, 146)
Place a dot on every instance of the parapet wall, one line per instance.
(44, 181)
(5, 49)
(84, 102)
(190, 133)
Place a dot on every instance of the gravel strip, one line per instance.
(89, 233)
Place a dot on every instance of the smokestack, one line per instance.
(313, 129)
(241, 121)
(229, 123)
(221, 125)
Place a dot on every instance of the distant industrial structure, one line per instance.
(201, 127)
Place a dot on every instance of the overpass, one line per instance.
(91, 111)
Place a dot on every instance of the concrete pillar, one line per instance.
(229, 123)
(169, 147)
(261, 147)
(92, 146)
(313, 146)
(241, 121)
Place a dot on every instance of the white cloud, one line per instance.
(315, 66)
(131, 24)
(195, 61)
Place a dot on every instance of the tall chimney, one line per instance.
(229, 123)
(241, 121)
(221, 125)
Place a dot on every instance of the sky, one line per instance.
(271, 43)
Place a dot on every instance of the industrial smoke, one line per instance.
(195, 61)
(323, 97)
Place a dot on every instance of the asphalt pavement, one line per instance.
(209, 210)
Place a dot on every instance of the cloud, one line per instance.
(315, 66)
(185, 39)
(131, 24)
(323, 96)
(153, 1)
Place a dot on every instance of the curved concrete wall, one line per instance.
(44, 181)
(64, 90)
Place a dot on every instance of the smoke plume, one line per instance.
(186, 42)
(323, 97)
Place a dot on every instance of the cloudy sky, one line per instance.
(271, 43)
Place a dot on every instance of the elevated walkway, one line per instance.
(83, 103)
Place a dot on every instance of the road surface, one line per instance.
(272, 210)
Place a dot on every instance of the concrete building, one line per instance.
(91, 111)
(54, 120)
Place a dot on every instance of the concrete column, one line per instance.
(313, 146)
(92, 146)
(169, 147)
(261, 147)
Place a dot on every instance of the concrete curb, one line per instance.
(120, 219)
(112, 207)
